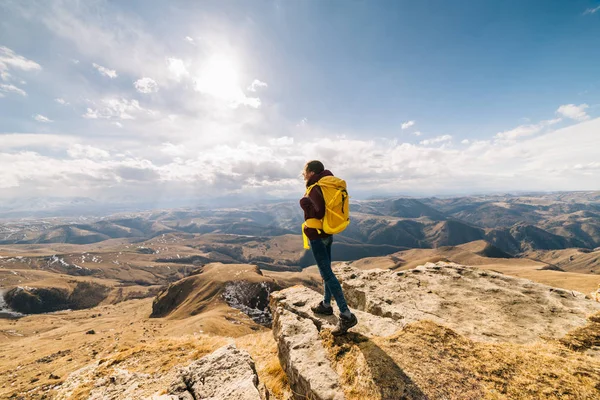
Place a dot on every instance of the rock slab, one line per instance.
(482, 305)
(302, 355)
(227, 373)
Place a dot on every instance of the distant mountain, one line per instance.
(400, 208)
(451, 233)
(572, 260)
(512, 223)
(532, 237)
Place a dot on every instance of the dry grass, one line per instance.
(122, 332)
(162, 356)
(585, 337)
(426, 359)
(158, 358)
(263, 349)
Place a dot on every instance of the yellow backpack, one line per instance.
(337, 208)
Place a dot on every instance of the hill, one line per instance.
(571, 260)
(114, 348)
(515, 224)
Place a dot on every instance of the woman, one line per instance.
(313, 205)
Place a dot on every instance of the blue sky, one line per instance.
(114, 99)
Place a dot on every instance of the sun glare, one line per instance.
(219, 78)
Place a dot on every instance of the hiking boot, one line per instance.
(344, 324)
(322, 309)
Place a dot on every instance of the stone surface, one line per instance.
(299, 299)
(302, 355)
(301, 352)
(482, 305)
(227, 373)
(119, 384)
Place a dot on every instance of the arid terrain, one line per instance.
(149, 292)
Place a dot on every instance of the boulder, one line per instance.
(482, 305)
(303, 357)
(438, 331)
(227, 373)
(301, 352)
(299, 299)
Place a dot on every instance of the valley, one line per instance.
(150, 291)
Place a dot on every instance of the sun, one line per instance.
(219, 77)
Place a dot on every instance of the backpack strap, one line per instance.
(314, 224)
(311, 222)
(308, 189)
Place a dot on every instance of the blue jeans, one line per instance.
(321, 249)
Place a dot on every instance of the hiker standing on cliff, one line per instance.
(313, 205)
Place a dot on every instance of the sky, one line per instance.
(154, 100)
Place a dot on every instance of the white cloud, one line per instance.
(173, 150)
(146, 85)
(8, 88)
(574, 112)
(33, 140)
(465, 141)
(118, 124)
(102, 33)
(41, 118)
(256, 84)
(61, 101)
(303, 122)
(87, 151)
(177, 69)
(282, 141)
(219, 79)
(407, 124)
(417, 133)
(438, 139)
(91, 114)
(189, 39)
(595, 165)
(9, 60)
(525, 130)
(565, 159)
(111, 73)
(203, 143)
(591, 10)
(117, 109)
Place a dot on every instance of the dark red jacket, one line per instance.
(314, 205)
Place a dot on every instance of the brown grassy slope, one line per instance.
(426, 359)
(120, 329)
(161, 358)
(203, 291)
(61, 339)
(48, 249)
(309, 277)
(571, 260)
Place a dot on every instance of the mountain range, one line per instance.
(514, 224)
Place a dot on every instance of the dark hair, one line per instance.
(314, 166)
